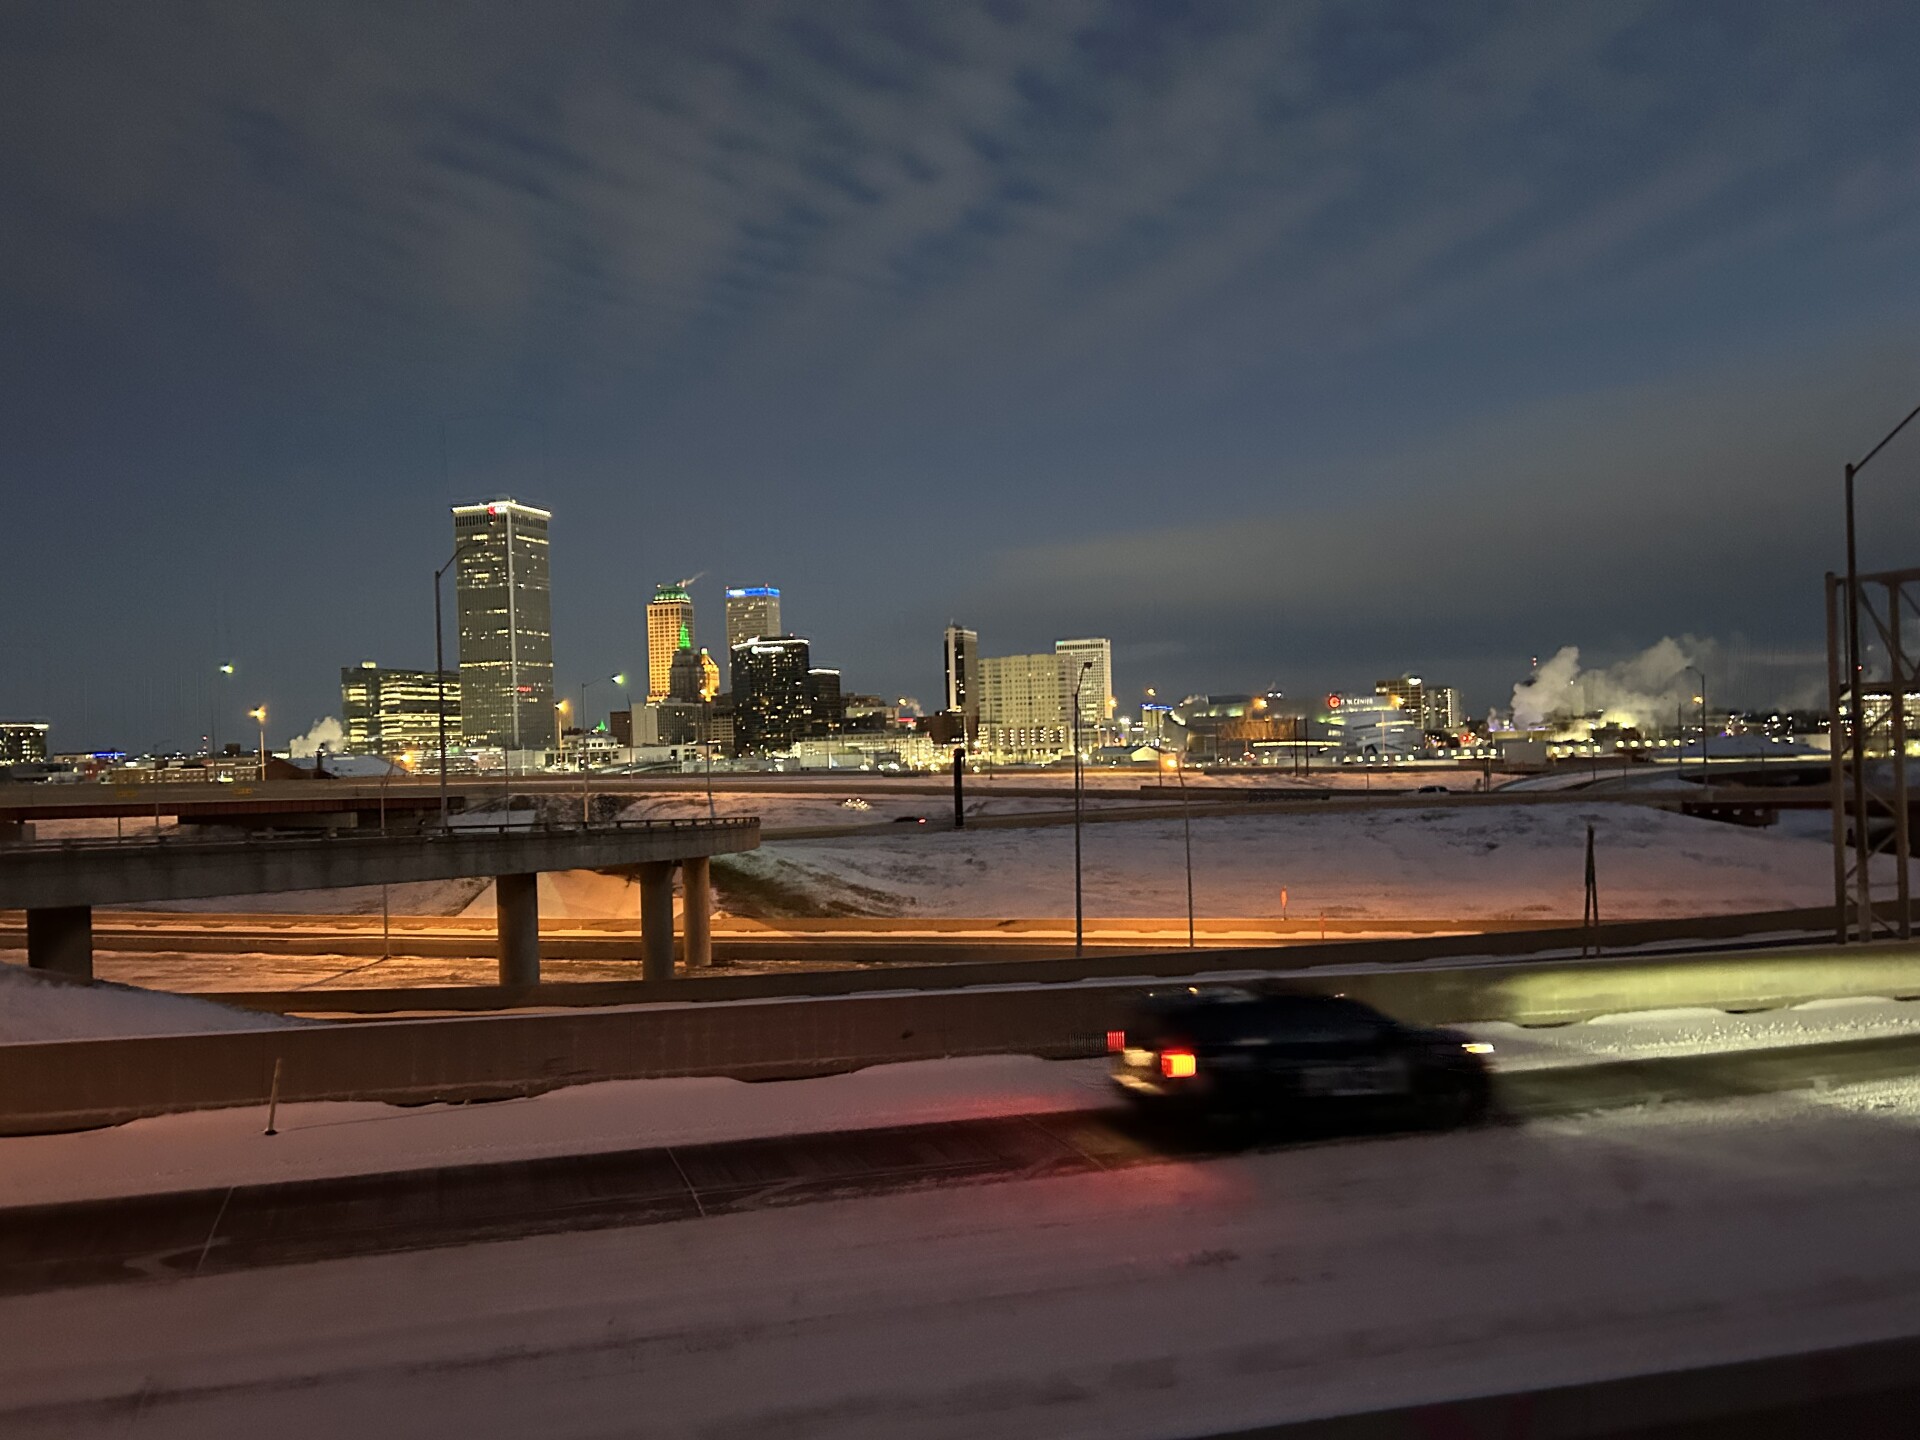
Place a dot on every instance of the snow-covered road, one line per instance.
(1156, 1301)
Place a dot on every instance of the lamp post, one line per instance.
(1857, 736)
(1079, 907)
(586, 685)
(1701, 700)
(440, 668)
(259, 713)
(213, 712)
(1186, 827)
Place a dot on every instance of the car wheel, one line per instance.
(1458, 1100)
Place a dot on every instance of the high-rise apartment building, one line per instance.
(1026, 705)
(1096, 699)
(772, 696)
(396, 712)
(669, 630)
(506, 625)
(962, 653)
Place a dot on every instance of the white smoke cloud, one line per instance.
(1642, 691)
(325, 738)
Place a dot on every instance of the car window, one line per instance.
(1327, 1020)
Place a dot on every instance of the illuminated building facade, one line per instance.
(1434, 708)
(506, 626)
(772, 700)
(669, 631)
(827, 711)
(752, 611)
(1026, 704)
(396, 712)
(23, 742)
(1096, 700)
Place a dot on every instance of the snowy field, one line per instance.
(1161, 1301)
(1480, 863)
(34, 1006)
(227, 1147)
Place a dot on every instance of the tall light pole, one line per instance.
(1079, 907)
(1857, 727)
(1186, 826)
(586, 685)
(1706, 777)
(440, 664)
(260, 713)
(213, 711)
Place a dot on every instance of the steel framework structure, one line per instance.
(1873, 659)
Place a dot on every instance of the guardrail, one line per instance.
(63, 1085)
(261, 839)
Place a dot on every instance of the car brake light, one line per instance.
(1177, 1064)
(1116, 1041)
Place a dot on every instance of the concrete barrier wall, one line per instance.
(954, 973)
(73, 1084)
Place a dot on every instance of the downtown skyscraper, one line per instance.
(752, 611)
(506, 625)
(669, 629)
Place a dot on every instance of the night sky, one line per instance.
(1288, 344)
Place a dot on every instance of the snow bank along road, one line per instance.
(1123, 1300)
(248, 1225)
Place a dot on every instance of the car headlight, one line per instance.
(1477, 1047)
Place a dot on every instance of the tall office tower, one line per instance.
(669, 630)
(963, 678)
(827, 710)
(506, 625)
(752, 611)
(1026, 705)
(396, 712)
(771, 695)
(1096, 700)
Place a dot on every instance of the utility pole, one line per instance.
(959, 770)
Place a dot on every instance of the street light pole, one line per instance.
(1186, 825)
(1706, 777)
(260, 714)
(1079, 907)
(440, 669)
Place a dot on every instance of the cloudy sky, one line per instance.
(1286, 343)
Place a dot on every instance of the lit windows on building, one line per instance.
(506, 626)
(396, 712)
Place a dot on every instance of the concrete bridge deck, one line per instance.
(59, 882)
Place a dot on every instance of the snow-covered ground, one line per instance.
(227, 1147)
(1128, 1304)
(34, 1006)
(1489, 863)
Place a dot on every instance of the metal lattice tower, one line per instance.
(1873, 659)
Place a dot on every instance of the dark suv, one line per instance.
(1222, 1050)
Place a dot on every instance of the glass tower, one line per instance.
(506, 626)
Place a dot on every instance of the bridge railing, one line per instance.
(435, 834)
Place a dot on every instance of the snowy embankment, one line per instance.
(1480, 863)
(1131, 1304)
(44, 1007)
(226, 1147)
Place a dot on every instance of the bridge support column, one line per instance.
(656, 920)
(696, 918)
(517, 904)
(60, 939)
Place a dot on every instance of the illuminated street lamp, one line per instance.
(440, 666)
(213, 712)
(259, 713)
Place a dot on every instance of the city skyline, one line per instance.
(1567, 347)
